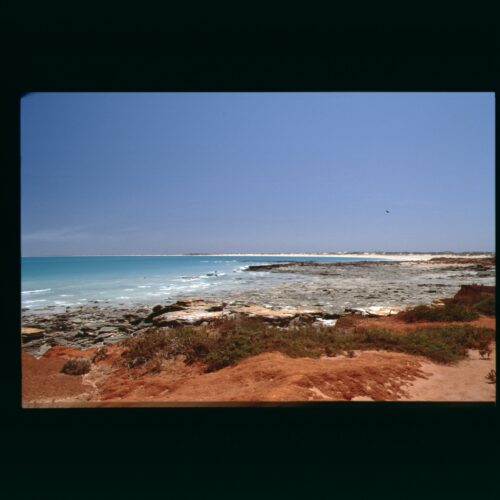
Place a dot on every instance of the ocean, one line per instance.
(59, 282)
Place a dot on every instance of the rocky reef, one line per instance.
(326, 292)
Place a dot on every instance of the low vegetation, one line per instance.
(231, 341)
(76, 366)
(467, 305)
(486, 306)
(451, 311)
(492, 377)
(100, 354)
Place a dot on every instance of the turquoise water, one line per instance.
(130, 280)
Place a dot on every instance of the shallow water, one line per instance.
(58, 282)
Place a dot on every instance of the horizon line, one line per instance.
(194, 254)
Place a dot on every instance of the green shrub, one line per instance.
(451, 311)
(234, 340)
(486, 306)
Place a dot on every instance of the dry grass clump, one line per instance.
(76, 366)
(100, 354)
(492, 377)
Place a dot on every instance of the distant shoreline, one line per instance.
(399, 256)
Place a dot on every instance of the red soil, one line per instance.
(471, 294)
(42, 380)
(398, 325)
(267, 377)
(375, 375)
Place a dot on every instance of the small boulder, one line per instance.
(29, 334)
(106, 329)
(190, 317)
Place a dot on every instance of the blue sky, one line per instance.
(150, 173)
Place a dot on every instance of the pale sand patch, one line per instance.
(465, 381)
(366, 255)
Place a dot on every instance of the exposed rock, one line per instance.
(64, 342)
(482, 261)
(43, 349)
(376, 311)
(107, 329)
(326, 322)
(104, 335)
(114, 339)
(438, 303)
(131, 317)
(28, 333)
(91, 327)
(189, 317)
(279, 316)
(159, 310)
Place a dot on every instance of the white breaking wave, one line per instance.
(240, 269)
(33, 301)
(144, 286)
(27, 292)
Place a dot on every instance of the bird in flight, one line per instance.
(387, 212)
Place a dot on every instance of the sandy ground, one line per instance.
(466, 381)
(366, 255)
(276, 377)
(269, 377)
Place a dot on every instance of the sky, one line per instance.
(155, 173)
